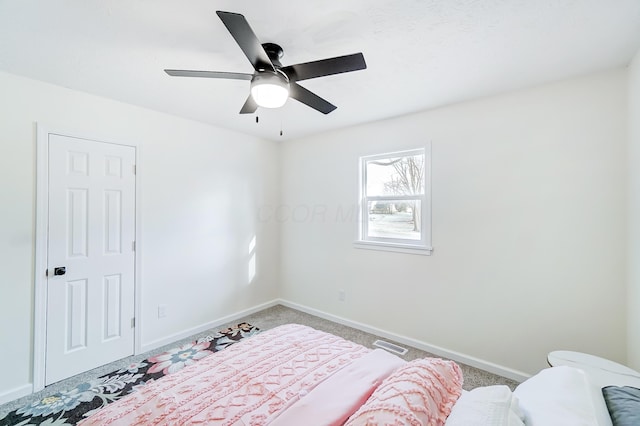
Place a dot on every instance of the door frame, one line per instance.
(41, 247)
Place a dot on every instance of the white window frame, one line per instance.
(421, 246)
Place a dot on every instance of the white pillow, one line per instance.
(486, 406)
(562, 396)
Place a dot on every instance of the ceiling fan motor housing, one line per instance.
(274, 51)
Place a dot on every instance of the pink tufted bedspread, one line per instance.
(249, 383)
(294, 375)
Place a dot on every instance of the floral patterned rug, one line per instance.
(71, 406)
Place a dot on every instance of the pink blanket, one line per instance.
(339, 396)
(249, 383)
(294, 375)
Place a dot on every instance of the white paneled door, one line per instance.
(91, 258)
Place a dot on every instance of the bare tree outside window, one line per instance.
(408, 179)
(394, 192)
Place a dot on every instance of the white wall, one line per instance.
(634, 214)
(529, 226)
(201, 190)
(530, 211)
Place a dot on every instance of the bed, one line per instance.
(296, 375)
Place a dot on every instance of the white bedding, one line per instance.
(562, 396)
(486, 406)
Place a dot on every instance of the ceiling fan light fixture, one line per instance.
(270, 90)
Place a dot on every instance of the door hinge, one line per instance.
(133, 322)
(133, 245)
(134, 169)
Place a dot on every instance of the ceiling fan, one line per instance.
(271, 83)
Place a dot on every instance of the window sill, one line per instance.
(398, 248)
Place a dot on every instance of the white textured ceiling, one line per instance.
(420, 54)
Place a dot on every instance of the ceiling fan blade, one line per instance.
(324, 67)
(209, 74)
(309, 98)
(246, 39)
(250, 106)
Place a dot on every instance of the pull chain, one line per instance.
(258, 120)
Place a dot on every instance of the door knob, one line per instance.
(60, 270)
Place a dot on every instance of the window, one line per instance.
(395, 204)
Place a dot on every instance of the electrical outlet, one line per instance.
(342, 295)
(162, 311)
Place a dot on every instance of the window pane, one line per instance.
(394, 219)
(395, 176)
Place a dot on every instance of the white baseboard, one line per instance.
(204, 327)
(500, 370)
(15, 393)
